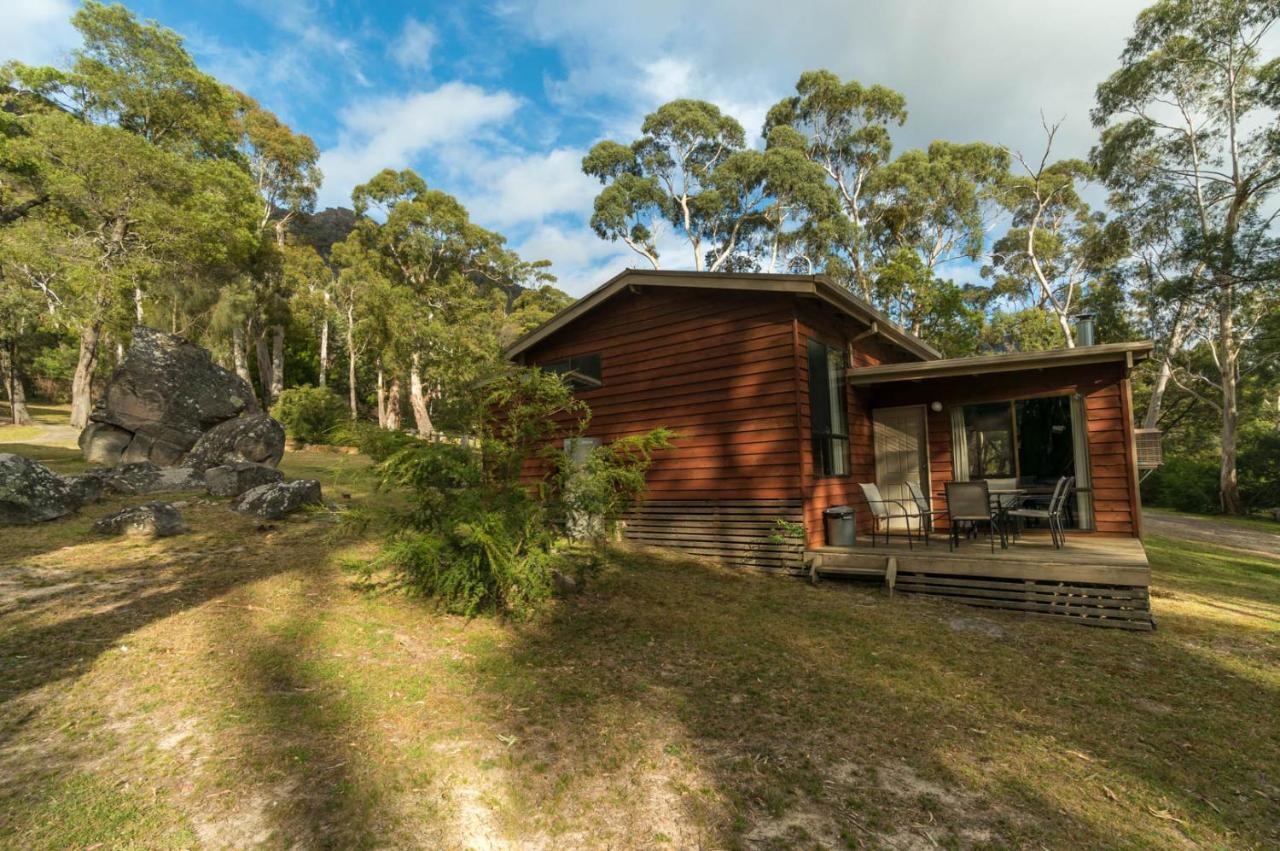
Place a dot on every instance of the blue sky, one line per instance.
(497, 102)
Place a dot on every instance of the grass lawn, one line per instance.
(234, 687)
(1258, 522)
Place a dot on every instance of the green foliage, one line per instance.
(1184, 483)
(1260, 469)
(594, 492)
(310, 414)
(475, 538)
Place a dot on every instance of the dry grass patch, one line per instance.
(233, 687)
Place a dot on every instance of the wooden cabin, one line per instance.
(787, 391)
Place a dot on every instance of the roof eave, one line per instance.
(1130, 354)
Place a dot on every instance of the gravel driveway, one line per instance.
(1211, 531)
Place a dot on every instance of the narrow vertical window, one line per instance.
(827, 410)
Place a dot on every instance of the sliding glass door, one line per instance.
(1033, 441)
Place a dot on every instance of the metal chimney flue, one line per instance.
(1085, 334)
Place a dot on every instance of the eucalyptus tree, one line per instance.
(932, 209)
(283, 167)
(689, 171)
(846, 126)
(1056, 244)
(1189, 119)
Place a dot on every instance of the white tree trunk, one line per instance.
(1228, 482)
(382, 397)
(14, 391)
(277, 362)
(82, 381)
(351, 366)
(421, 415)
(324, 351)
(393, 405)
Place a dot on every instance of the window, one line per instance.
(581, 372)
(827, 410)
(1026, 439)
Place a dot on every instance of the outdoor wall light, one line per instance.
(936, 407)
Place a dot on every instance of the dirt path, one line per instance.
(1210, 531)
(55, 435)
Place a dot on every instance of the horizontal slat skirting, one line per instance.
(732, 531)
(1119, 606)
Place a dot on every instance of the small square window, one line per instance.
(582, 372)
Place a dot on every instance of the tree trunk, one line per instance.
(17, 394)
(1228, 483)
(324, 350)
(264, 368)
(351, 367)
(393, 405)
(137, 303)
(382, 397)
(82, 381)
(277, 362)
(421, 416)
(1154, 404)
(240, 362)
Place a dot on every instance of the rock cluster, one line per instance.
(274, 501)
(163, 397)
(256, 439)
(239, 476)
(31, 493)
(151, 519)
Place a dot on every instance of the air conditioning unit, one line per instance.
(1150, 453)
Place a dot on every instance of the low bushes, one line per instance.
(475, 537)
(310, 414)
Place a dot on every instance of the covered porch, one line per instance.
(1093, 579)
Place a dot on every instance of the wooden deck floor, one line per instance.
(1097, 579)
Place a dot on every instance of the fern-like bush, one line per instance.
(310, 414)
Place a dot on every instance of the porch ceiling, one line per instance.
(1126, 353)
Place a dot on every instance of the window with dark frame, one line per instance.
(582, 372)
(828, 410)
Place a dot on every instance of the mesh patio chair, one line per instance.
(970, 502)
(924, 510)
(1051, 513)
(884, 510)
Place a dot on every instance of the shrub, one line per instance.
(310, 414)
(1259, 469)
(592, 495)
(1184, 484)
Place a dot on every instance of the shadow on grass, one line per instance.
(728, 709)
(303, 738)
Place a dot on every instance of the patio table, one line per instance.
(1002, 509)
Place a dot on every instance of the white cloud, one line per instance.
(412, 48)
(977, 70)
(38, 32)
(526, 188)
(389, 132)
(580, 261)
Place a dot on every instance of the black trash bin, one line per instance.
(840, 526)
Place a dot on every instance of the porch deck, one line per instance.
(1096, 579)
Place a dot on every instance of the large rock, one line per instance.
(145, 477)
(30, 492)
(255, 439)
(164, 395)
(85, 488)
(151, 519)
(239, 476)
(273, 501)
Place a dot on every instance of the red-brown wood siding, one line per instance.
(1109, 425)
(822, 492)
(717, 367)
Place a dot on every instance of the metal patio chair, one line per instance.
(882, 512)
(924, 510)
(970, 502)
(1052, 513)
